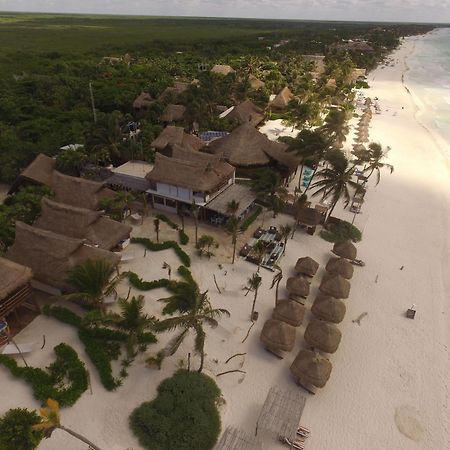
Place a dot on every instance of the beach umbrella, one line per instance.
(345, 250)
(322, 335)
(298, 287)
(335, 285)
(290, 312)
(328, 308)
(311, 368)
(306, 266)
(340, 266)
(277, 335)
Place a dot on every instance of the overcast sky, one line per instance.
(389, 10)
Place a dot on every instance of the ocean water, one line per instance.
(428, 78)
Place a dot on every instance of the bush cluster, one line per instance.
(16, 432)
(52, 383)
(251, 218)
(156, 247)
(184, 415)
(341, 232)
(169, 222)
(142, 285)
(183, 237)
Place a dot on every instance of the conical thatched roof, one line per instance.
(311, 368)
(222, 69)
(51, 255)
(298, 286)
(245, 146)
(81, 223)
(175, 135)
(290, 312)
(345, 250)
(340, 266)
(328, 308)
(247, 112)
(323, 335)
(282, 99)
(12, 277)
(306, 266)
(143, 101)
(173, 113)
(278, 335)
(336, 286)
(255, 83)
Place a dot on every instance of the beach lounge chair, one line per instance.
(11, 349)
(297, 444)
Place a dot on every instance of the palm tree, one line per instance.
(51, 421)
(206, 242)
(233, 230)
(93, 283)
(200, 314)
(253, 284)
(335, 182)
(259, 250)
(375, 155)
(156, 223)
(167, 267)
(195, 212)
(285, 231)
(232, 208)
(276, 281)
(335, 126)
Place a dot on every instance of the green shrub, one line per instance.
(251, 218)
(16, 432)
(168, 221)
(142, 285)
(183, 237)
(183, 416)
(156, 247)
(53, 384)
(341, 232)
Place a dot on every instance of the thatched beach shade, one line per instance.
(173, 113)
(336, 286)
(345, 250)
(329, 308)
(310, 217)
(277, 335)
(306, 266)
(323, 335)
(297, 287)
(311, 368)
(340, 266)
(290, 312)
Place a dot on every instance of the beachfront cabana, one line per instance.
(323, 335)
(277, 336)
(173, 113)
(345, 250)
(306, 266)
(51, 255)
(328, 308)
(172, 135)
(311, 368)
(82, 223)
(246, 112)
(298, 288)
(236, 439)
(282, 100)
(340, 266)
(335, 285)
(289, 311)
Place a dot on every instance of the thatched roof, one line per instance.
(178, 88)
(81, 223)
(12, 277)
(175, 135)
(306, 266)
(345, 250)
(336, 286)
(255, 83)
(278, 335)
(340, 266)
(245, 146)
(298, 286)
(311, 368)
(323, 335)
(194, 170)
(143, 101)
(309, 216)
(173, 113)
(40, 171)
(282, 99)
(247, 112)
(51, 255)
(222, 69)
(290, 312)
(328, 308)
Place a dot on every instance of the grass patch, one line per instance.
(341, 232)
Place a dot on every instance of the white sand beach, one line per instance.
(389, 386)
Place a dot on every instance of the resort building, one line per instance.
(318, 61)
(282, 100)
(357, 74)
(245, 112)
(130, 177)
(172, 135)
(51, 255)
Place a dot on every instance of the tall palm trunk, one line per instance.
(254, 303)
(79, 437)
(202, 360)
(300, 178)
(276, 291)
(234, 249)
(331, 212)
(312, 176)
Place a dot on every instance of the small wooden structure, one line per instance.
(236, 439)
(411, 312)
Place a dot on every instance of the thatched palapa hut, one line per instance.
(222, 69)
(310, 368)
(278, 336)
(340, 266)
(143, 101)
(255, 83)
(298, 287)
(173, 113)
(290, 312)
(247, 112)
(176, 135)
(174, 91)
(323, 335)
(51, 255)
(345, 250)
(282, 99)
(336, 286)
(82, 223)
(306, 266)
(328, 308)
